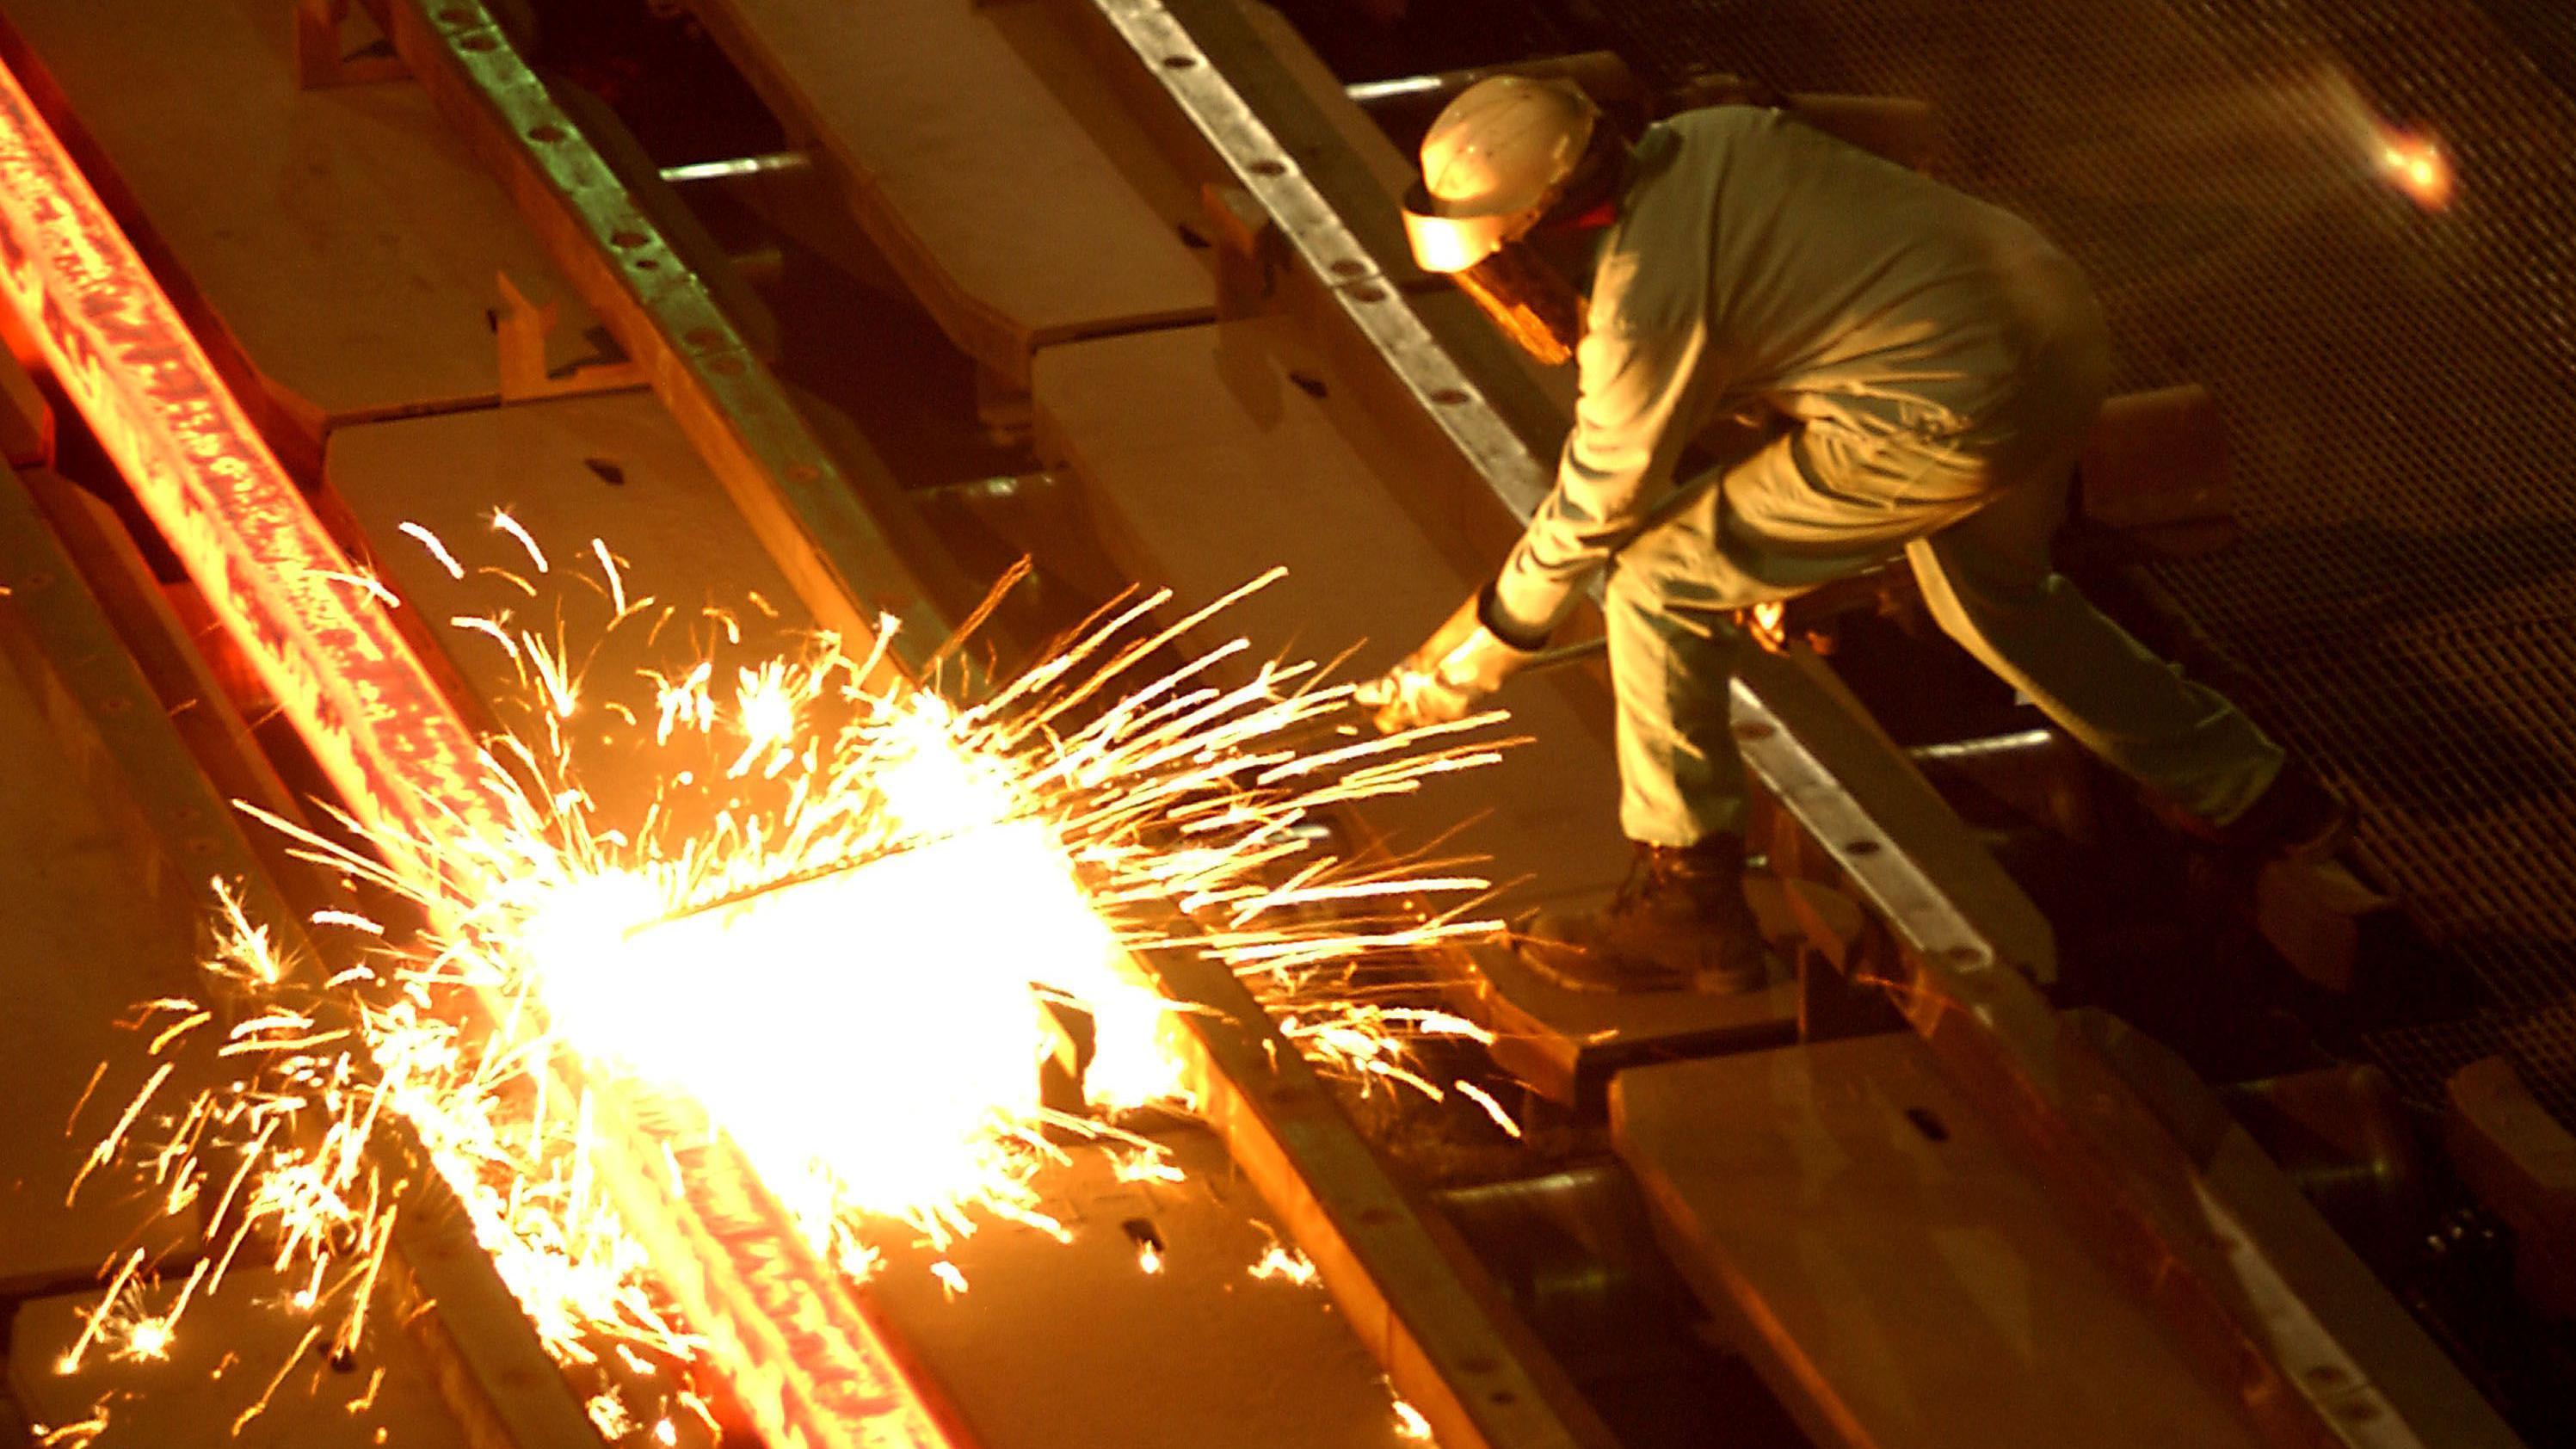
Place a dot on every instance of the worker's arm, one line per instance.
(1631, 422)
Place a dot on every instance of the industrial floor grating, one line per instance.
(2400, 384)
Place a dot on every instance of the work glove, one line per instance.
(1454, 671)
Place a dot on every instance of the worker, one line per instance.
(1796, 361)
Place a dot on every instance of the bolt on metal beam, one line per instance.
(773, 163)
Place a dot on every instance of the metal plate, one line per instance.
(347, 242)
(1887, 1259)
(199, 1397)
(1198, 1354)
(1007, 214)
(78, 951)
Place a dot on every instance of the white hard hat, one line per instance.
(1491, 166)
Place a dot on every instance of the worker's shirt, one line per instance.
(1757, 261)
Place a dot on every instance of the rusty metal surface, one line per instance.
(2397, 383)
(1019, 219)
(2242, 1292)
(1902, 1286)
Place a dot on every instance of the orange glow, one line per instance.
(808, 1364)
(2417, 166)
(282, 587)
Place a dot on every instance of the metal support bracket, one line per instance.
(2314, 913)
(323, 58)
(1249, 249)
(2155, 469)
(520, 331)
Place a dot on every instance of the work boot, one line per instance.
(2297, 817)
(1679, 923)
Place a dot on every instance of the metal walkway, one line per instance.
(2399, 385)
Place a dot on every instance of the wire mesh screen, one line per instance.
(2396, 378)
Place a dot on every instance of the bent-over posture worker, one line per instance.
(1929, 366)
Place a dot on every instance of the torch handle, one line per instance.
(1564, 654)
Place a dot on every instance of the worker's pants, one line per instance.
(1973, 514)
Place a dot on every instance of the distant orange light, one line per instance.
(2417, 166)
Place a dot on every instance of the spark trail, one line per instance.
(839, 941)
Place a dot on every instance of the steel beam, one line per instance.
(808, 1364)
(827, 518)
(2151, 1216)
(1448, 1340)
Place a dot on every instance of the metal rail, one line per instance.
(1409, 1290)
(825, 517)
(2084, 1130)
(778, 1318)
(1449, 1342)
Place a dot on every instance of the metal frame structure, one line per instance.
(1410, 1291)
(823, 516)
(2085, 1130)
(489, 1367)
(807, 1359)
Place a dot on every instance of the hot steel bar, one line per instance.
(490, 1368)
(372, 716)
(333, 659)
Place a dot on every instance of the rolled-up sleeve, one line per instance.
(1630, 425)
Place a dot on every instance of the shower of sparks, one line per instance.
(1493, 1109)
(502, 521)
(72, 1436)
(1285, 1264)
(842, 938)
(437, 549)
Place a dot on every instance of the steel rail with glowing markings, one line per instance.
(160, 793)
(809, 1366)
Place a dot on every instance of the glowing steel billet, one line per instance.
(811, 1366)
(335, 662)
(739, 1244)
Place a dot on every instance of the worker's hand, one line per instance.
(1446, 679)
